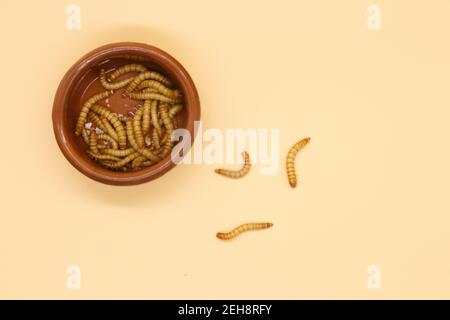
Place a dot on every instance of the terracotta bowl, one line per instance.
(80, 82)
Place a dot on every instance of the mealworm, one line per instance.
(169, 130)
(99, 156)
(290, 161)
(118, 153)
(146, 116)
(93, 142)
(150, 95)
(242, 228)
(109, 129)
(96, 121)
(121, 162)
(154, 117)
(130, 134)
(149, 155)
(237, 173)
(159, 87)
(153, 75)
(137, 128)
(107, 138)
(85, 110)
(138, 161)
(120, 130)
(155, 139)
(134, 67)
(112, 86)
(175, 109)
(85, 135)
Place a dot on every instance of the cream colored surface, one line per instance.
(374, 180)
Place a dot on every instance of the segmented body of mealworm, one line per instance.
(130, 134)
(85, 135)
(121, 162)
(107, 138)
(167, 147)
(99, 156)
(138, 161)
(137, 128)
(175, 109)
(146, 116)
(151, 96)
(109, 129)
(93, 142)
(118, 153)
(155, 139)
(154, 117)
(96, 121)
(85, 110)
(242, 228)
(149, 155)
(159, 87)
(153, 75)
(237, 173)
(120, 130)
(134, 67)
(112, 86)
(290, 161)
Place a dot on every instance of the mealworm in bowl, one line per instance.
(100, 96)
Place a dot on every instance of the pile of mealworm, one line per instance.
(132, 141)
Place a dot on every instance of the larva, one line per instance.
(109, 129)
(121, 162)
(107, 138)
(155, 139)
(120, 130)
(99, 156)
(151, 96)
(85, 135)
(138, 161)
(242, 228)
(175, 109)
(130, 134)
(237, 173)
(85, 110)
(96, 121)
(159, 87)
(146, 116)
(149, 155)
(154, 117)
(118, 153)
(290, 161)
(137, 128)
(134, 67)
(112, 86)
(153, 75)
(93, 142)
(169, 129)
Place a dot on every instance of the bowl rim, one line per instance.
(153, 54)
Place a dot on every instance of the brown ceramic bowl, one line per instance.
(79, 83)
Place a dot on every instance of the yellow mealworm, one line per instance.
(112, 86)
(290, 161)
(121, 162)
(146, 116)
(159, 87)
(155, 139)
(130, 134)
(93, 142)
(153, 75)
(167, 147)
(96, 121)
(99, 156)
(237, 173)
(242, 228)
(120, 130)
(175, 109)
(85, 110)
(137, 128)
(151, 96)
(109, 129)
(149, 90)
(118, 153)
(154, 117)
(125, 69)
(149, 155)
(107, 138)
(138, 161)
(85, 135)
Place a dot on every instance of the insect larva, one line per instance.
(154, 117)
(130, 134)
(109, 129)
(159, 87)
(153, 75)
(112, 86)
(155, 139)
(175, 109)
(118, 153)
(290, 161)
(85, 135)
(169, 129)
(137, 128)
(151, 96)
(149, 90)
(134, 67)
(120, 130)
(96, 121)
(149, 155)
(121, 162)
(237, 173)
(138, 161)
(242, 228)
(85, 110)
(99, 156)
(146, 116)
(93, 142)
(107, 138)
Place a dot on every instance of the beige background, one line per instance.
(374, 179)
